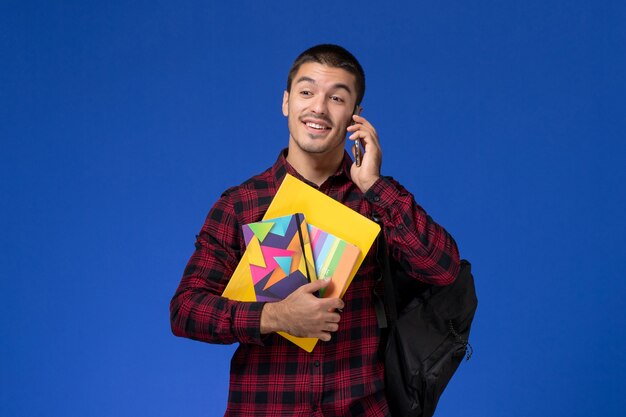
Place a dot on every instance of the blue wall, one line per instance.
(122, 122)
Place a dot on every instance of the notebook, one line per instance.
(279, 256)
(334, 258)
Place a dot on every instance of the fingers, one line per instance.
(329, 322)
(306, 315)
(312, 288)
(327, 329)
(367, 172)
(333, 318)
(361, 120)
(367, 136)
(303, 314)
(362, 129)
(360, 123)
(331, 304)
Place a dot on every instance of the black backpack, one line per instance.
(425, 335)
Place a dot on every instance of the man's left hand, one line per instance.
(367, 174)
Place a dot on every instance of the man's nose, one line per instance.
(319, 105)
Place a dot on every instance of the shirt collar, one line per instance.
(281, 167)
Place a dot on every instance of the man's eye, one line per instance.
(306, 93)
(337, 99)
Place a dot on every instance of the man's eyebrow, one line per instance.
(305, 79)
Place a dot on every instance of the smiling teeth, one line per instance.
(315, 126)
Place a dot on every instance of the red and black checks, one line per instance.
(270, 376)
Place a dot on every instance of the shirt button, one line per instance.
(376, 198)
(400, 227)
(316, 364)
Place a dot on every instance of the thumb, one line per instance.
(315, 285)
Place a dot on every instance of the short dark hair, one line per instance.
(332, 56)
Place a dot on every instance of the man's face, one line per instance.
(319, 108)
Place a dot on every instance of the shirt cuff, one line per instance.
(246, 322)
(383, 193)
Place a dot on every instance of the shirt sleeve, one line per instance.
(197, 310)
(422, 248)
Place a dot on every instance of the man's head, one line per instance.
(332, 56)
(323, 92)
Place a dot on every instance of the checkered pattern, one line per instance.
(270, 376)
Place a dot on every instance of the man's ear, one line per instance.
(286, 103)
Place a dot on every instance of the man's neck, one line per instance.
(314, 167)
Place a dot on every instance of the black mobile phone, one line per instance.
(356, 148)
(357, 152)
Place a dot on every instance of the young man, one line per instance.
(343, 376)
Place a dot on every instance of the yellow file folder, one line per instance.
(294, 196)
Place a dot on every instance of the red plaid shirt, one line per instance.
(269, 375)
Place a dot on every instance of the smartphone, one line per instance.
(357, 143)
(357, 152)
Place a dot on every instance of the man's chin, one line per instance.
(317, 136)
(319, 145)
(316, 148)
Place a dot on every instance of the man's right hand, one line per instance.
(303, 314)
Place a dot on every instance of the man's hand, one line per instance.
(302, 314)
(367, 174)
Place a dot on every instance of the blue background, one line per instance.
(122, 122)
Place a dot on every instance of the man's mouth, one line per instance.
(317, 126)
